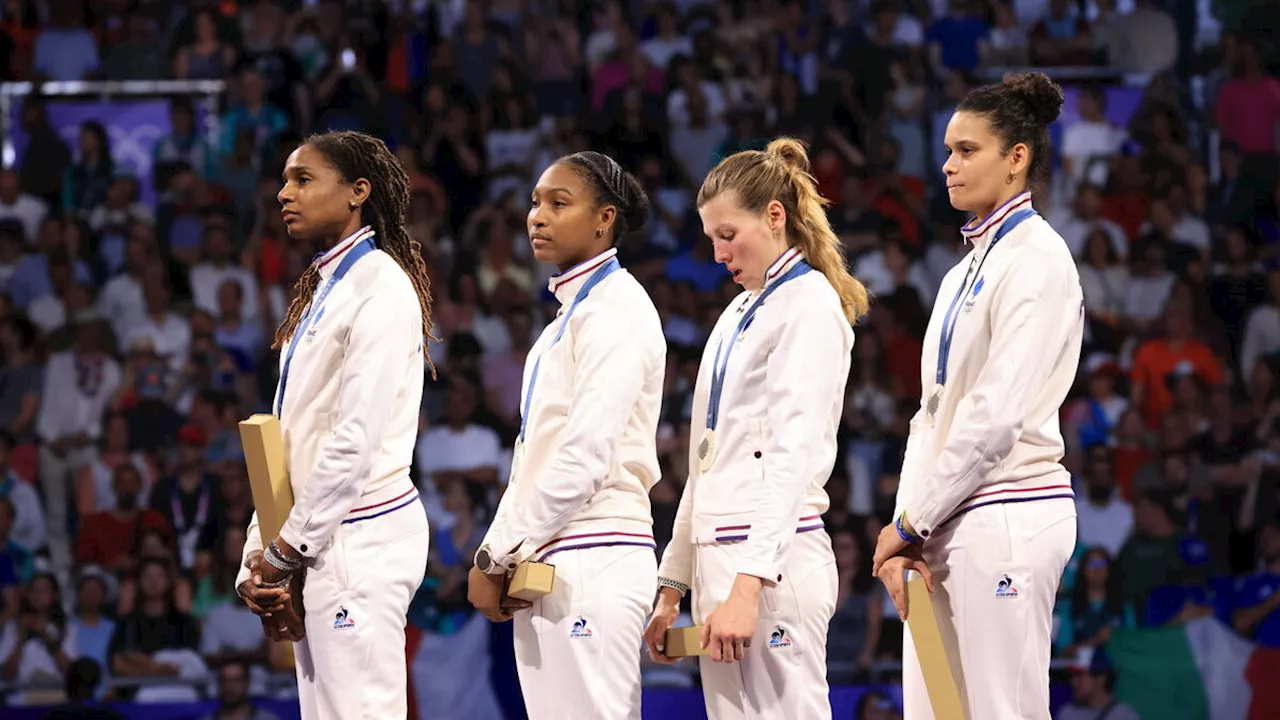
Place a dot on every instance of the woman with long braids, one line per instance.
(352, 365)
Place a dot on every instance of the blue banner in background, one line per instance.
(657, 704)
(133, 126)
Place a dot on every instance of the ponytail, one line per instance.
(781, 172)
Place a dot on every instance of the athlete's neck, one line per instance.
(583, 255)
(757, 284)
(1010, 192)
(353, 226)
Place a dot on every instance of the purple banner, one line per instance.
(1122, 103)
(133, 126)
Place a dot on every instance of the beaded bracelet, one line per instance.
(278, 560)
(902, 531)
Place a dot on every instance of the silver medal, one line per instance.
(707, 451)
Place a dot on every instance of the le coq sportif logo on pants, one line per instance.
(779, 638)
(342, 620)
(581, 630)
(1005, 588)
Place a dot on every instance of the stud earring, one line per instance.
(352, 205)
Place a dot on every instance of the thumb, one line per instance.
(706, 634)
(657, 636)
(923, 568)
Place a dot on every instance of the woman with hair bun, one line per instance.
(748, 539)
(985, 510)
(586, 457)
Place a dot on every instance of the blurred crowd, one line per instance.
(138, 299)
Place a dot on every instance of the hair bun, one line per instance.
(635, 213)
(1043, 97)
(791, 152)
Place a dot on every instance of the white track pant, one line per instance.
(352, 665)
(996, 571)
(578, 649)
(784, 672)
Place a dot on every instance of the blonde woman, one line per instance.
(748, 539)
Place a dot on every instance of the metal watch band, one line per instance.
(677, 586)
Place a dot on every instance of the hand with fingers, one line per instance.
(893, 573)
(280, 608)
(665, 613)
(728, 630)
(488, 595)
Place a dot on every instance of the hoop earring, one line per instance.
(599, 232)
(1009, 180)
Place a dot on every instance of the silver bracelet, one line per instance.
(277, 559)
(281, 583)
(677, 586)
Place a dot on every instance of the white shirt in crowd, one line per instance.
(1145, 298)
(47, 312)
(513, 147)
(28, 210)
(170, 336)
(1075, 230)
(123, 303)
(29, 529)
(1105, 526)
(1089, 145)
(775, 438)
(37, 663)
(875, 274)
(206, 278)
(1015, 349)
(75, 396)
(441, 449)
(1261, 337)
(1188, 230)
(589, 456)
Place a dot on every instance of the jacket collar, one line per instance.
(784, 263)
(979, 234)
(327, 262)
(565, 285)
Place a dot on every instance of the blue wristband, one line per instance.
(902, 531)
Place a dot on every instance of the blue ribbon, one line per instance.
(721, 367)
(952, 317)
(605, 271)
(316, 309)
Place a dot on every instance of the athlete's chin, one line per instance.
(545, 252)
(298, 229)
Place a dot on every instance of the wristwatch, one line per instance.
(484, 560)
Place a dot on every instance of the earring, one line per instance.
(352, 205)
(1009, 180)
(599, 232)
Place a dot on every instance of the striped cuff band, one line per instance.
(677, 586)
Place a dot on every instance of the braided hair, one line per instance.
(357, 155)
(612, 186)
